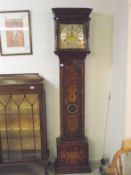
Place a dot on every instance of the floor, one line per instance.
(33, 169)
(94, 167)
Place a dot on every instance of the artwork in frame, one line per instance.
(15, 33)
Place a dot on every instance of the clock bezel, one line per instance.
(86, 37)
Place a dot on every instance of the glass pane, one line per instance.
(20, 127)
(26, 122)
(28, 148)
(12, 122)
(18, 99)
(2, 110)
(4, 99)
(11, 107)
(38, 148)
(37, 124)
(2, 126)
(25, 106)
(36, 107)
(31, 98)
(4, 145)
(14, 148)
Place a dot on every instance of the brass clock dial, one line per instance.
(72, 36)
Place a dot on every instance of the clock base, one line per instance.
(72, 157)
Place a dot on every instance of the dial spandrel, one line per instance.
(72, 36)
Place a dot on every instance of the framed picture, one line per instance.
(15, 33)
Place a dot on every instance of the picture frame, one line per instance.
(15, 33)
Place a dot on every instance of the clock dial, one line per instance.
(72, 36)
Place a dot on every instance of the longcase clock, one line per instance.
(71, 36)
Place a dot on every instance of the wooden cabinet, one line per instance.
(23, 134)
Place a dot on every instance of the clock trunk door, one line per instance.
(72, 98)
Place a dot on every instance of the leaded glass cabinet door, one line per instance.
(22, 119)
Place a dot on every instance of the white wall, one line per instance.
(128, 82)
(117, 120)
(98, 81)
(43, 60)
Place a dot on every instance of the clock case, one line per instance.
(71, 16)
(72, 145)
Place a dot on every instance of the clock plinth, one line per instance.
(72, 156)
(72, 26)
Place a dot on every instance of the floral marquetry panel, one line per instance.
(73, 99)
(73, 155)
